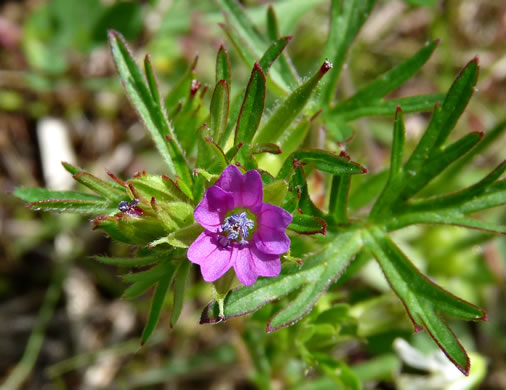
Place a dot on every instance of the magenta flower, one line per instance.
(241, 230)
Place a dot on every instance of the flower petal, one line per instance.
(274, 217)
(271, 241)
(214, 260)
(246, 189)
(210, 211)
(265, 264)
(244, 265)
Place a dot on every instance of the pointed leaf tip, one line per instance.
(326, 66)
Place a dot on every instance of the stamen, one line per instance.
(238, 226)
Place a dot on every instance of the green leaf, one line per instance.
(456, 100)
(307, 224)
(273, 52)
(73, 206)
(445, 217)
(315, 275)
(130, 261)
(219, 112)
(293, 137)
(125, 17)
(368, 190)
(109, 190)
(388, 107)
(346, 19)
(149, 110)
(252, 107)
(158, 298)
(179, 290)
(35, 194)
(290, 108)
(490, 137)
(180, 90)
(455, 200)
(223, 71)
(338, 202)
(265, 63)
(152, 83)
(138, 288)
(422, 298)
(266, 148)
(445, 117)
(416, 180)
(323, 160)
(247, 39)
(341, 373)
(388, 81)
(287, 69)
(399, 139)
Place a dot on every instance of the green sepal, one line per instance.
(184, 237)
(131, 229)
(162, 188)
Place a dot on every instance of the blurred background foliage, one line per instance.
(55, 63)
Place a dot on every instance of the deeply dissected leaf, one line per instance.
(179, 290)
(307, 224)
(109, 190)
(438, 161)
(430, 158)
(223, 68)
(151, 113)
(287, 70)
(247, 39)
(290, 108)
(36, 194)
(315, 275)
(323, 160)
(387, 82)
(219, 111)
(265, 63)
(346, 19)
(338, 202)
(180, 90)
(422, 298)
(388, 107)
(252, 107)
(92, 207)
(129, 261)
(162, 287)
(445, 117)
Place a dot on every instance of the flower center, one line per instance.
(238, 226)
